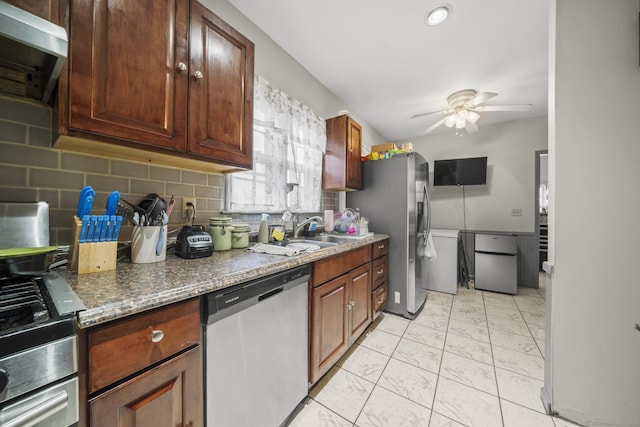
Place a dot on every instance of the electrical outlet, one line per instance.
(396, 297)
(185, 208)
(516, 212)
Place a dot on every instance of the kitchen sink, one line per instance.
(325, 238)
(305, 243)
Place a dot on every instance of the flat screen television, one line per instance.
(469, 171)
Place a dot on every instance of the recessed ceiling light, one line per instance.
(438, 15)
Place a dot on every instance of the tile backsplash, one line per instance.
(31, 170)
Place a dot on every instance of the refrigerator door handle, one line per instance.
(427, 204)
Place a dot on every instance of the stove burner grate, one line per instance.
(21, 304)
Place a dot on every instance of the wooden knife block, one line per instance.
(91, 257)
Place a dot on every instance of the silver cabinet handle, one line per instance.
(157, 335)
(380, 272)
(380, 246)
(40, 412)
(198, 75)
(182, 66)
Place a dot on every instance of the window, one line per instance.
(289, 140)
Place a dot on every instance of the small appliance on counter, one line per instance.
(193, 242)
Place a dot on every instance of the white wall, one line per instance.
(281, 70)
(510, 148)
(596, 290)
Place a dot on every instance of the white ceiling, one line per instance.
(380, 58)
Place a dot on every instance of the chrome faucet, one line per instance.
(297, 227)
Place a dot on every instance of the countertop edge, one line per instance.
(100, 291)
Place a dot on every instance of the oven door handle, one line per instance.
(41, 412)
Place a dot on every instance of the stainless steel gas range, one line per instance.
(38, 344)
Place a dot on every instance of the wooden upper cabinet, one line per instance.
(221, 90)
(163, 81)
(125, 77)
(45, 9)
(342, 161)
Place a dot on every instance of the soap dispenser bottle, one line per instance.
(263, 231)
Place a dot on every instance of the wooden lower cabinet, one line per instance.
(379, 282)
(341, 311)
(330, 323)
(359, 301)
(168, 395)
(144, 370)
(378, 300)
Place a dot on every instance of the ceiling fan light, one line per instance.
(437, 15)
(473, 116)
(460, 123)
(450, 121)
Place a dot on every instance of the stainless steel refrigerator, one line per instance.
(395, 199)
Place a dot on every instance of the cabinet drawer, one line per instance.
(329, 268)
(129, 345)
(379, 273)
(379, 248)
(378, 300)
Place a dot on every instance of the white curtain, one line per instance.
(289, 140)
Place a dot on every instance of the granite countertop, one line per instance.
(133, 288)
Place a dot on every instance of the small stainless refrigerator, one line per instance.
(496, 263)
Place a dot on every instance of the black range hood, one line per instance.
(32, 53)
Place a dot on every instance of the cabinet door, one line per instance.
(168, 395)
(353, 155)
(126, 80)
(41, 8)
(342, 162)
(220, 90)
(329, 339)
(359, 301)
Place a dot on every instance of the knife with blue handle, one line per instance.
(112, 202)
(91, 228)
(112, 225)
(83, 194)
(83, 230)
(104, 220)
(116, 229)
(98, 228)
(87, 194)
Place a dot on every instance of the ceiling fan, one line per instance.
(464, 108)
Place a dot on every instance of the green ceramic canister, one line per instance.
(221, 230)
(240, 236)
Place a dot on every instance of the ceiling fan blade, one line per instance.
(430, 113)
(512, 107)
(480, 98)
(435, 125)
(471, 127)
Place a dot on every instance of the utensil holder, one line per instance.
(144, 243)
(91, 257)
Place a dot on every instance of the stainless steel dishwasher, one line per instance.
(256, 350)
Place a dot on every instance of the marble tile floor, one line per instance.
(473, 359)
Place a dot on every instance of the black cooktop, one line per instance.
(28, 317)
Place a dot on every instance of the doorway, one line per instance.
(542, 204)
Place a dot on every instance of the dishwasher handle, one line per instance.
(270, 293)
